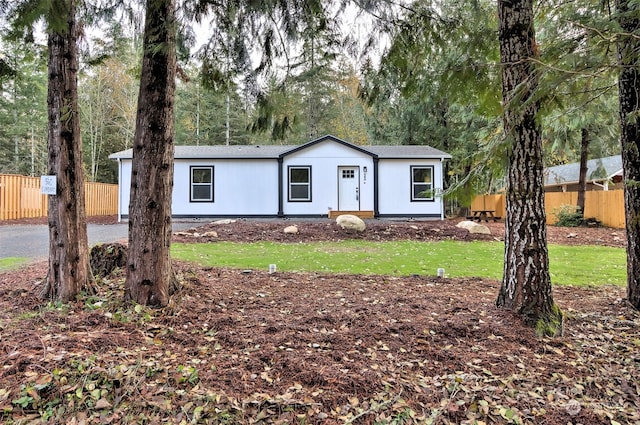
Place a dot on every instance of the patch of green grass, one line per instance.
(569, 265)
(587, 265)
(11, 263)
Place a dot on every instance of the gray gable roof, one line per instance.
(600, 169)
(218, 151)
(407, 151)
(278, 151)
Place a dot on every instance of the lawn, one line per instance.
(11, 263)
(569, 265)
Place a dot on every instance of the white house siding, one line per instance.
(394, 187)
(240, 188)
(324, 160)
(124, 182)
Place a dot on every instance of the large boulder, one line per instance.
(291, 230)
(474, 227)
(465, 224)
(351, 222)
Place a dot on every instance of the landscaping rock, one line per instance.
(480, 229)
(474, 227)
(465, 224)
(291, 230)
(351, 222)
(224, 221)
(210, 234)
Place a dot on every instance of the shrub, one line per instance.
(569, 216)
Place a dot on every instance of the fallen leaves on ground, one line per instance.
(253, 347)
(249, 347)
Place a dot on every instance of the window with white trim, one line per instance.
(201, 184)
(422, 183)
(299, 184)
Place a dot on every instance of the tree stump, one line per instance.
(106, 258)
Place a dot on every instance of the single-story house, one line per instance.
(602, 174)
(326, 176)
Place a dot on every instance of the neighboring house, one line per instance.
(602, 174)
(326, 176)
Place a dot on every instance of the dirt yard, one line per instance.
(252, 347)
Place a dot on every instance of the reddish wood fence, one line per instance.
(20, 197)
(606, 206)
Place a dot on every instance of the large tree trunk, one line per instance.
(582, 179)
(629, 87)
(149, 271)
(69, 268)
(526, 284)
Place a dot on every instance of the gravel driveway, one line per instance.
(32, 240)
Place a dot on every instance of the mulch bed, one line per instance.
(381, 230)
(251, 347)
(316, 230)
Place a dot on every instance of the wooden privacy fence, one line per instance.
(20, 197)
(607, 206)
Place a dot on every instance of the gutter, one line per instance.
(119, 190)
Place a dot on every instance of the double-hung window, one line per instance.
(201, 184)
(421, 183)
(299, 183)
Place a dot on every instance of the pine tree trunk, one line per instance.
(526, 284)
(149, 271)
(629, 87)
(69, 267)
(582, 179)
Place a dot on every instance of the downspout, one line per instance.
(604, 186)
(441, 198)
(119, 190)
(376, 213)
(280, 189)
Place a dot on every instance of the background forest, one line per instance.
(407, 73)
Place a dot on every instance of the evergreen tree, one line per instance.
(629, 86)
(580, 97)
(437, 85)
(299, 38)
(23, 108)
(108, 96)
(69, 269)
(149, 272)
(526, 283)
(202, 116)
(347, 118)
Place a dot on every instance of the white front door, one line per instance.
(348, 188)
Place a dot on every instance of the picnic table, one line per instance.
(486, 215)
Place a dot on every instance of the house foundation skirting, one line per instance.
(331, 215)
